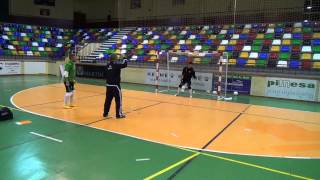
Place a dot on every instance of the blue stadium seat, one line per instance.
(316, 42)
(285, 48)
(294, 64)
(263, 55)
(297, 36)
(241, 62)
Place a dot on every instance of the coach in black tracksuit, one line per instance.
(113, 73)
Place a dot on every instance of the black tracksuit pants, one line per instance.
(113, 91)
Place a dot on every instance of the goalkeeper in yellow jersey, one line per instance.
(69, 81)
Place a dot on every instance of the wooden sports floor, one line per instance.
(163, 137)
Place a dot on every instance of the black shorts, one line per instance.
(69, 86)
(185, 81)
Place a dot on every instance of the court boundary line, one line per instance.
(196, 154)
(217, 109)
(149, 140)
(194, 148)
(172, 166)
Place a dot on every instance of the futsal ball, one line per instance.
(183, 88)
(235, 93)
(214, 92)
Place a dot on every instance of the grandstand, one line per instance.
(253, 110)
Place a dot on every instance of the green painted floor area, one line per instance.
(88, 153)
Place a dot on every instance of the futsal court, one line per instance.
(162, 137)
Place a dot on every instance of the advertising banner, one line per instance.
(203, 81)
(299, 89)
(10, 67)
(90, 71)
(241, 84)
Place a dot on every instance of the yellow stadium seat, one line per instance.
(9, 33)
(233, 42)
(306, 56)
(251, 62)
(153, 58)
(14, 52)
(173, 37)
(212, 36)
(275, 48)
(48, 49)
(134, 33)
(36, 53)
(316, 35)
(286, 42)
(245, 31)
(27, 39)
(119, 41)
(272, 25)
(244, 54)
(316, 65)
(260, 36)
(221, 48)
(118, 51)
(297, 30)
(176, 47)
(21, 53)
(139, 37)
(197, 61)
(203, 32)
(153, 52)
(16, 43)
(140, 46)
(188, 42)
(166, 33)
(232, 61)
(151, 42)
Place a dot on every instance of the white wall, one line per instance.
(63, 9)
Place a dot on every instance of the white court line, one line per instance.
(163, 90)
(143, 159)
(47, 137)
(153, 141)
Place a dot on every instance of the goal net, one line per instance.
(168, 73)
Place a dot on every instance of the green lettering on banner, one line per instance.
(271, 83)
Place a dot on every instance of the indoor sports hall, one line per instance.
(199, 89)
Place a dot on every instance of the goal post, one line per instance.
(169, 71)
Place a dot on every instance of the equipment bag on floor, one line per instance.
(5, 114)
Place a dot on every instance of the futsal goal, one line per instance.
(211, 73)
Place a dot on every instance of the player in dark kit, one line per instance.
(187, 73)
(113, 79)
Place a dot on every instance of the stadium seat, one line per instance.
(316, 65)
(282, 64)
(294, 64)
(241, 62)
